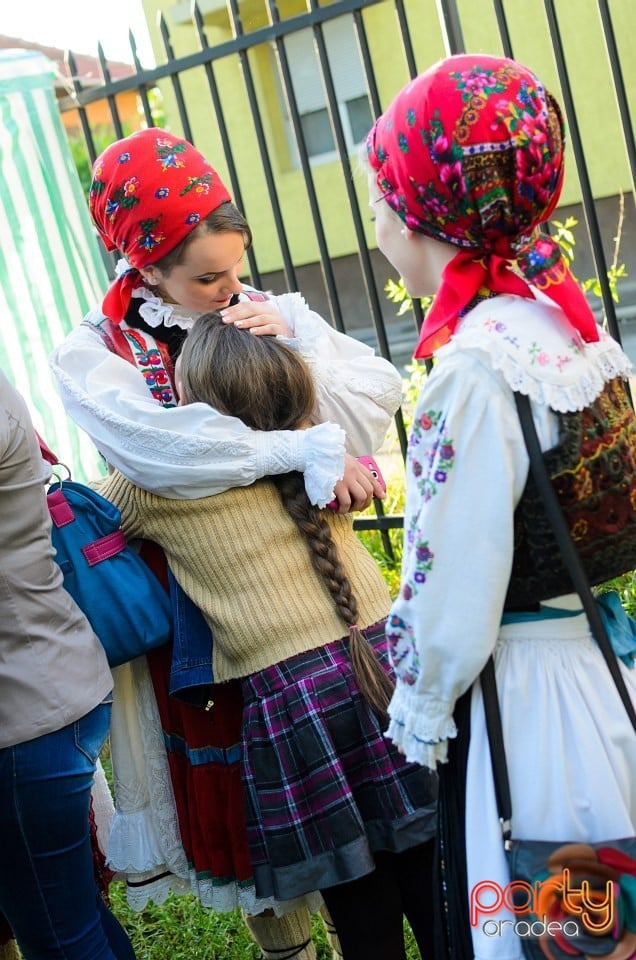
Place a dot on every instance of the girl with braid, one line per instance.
(297, 608)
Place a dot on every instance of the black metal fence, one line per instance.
(382, 330)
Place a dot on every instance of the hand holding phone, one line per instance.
(373, 469)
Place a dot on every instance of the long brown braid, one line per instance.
(374, 684)
(269, 387)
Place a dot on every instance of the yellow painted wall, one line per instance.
(587, 63)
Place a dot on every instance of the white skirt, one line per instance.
(570, 750)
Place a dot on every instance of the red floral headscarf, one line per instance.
(471, 153)
(148, 192)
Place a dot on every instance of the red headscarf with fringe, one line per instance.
(471, 153)
(148, 192)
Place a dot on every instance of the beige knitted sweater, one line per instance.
(243, 561)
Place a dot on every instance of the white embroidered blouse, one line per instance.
(196, 452)
(466, 470)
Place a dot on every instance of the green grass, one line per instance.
(181, 929)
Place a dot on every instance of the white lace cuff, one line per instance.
(324, 461)
(317, 452)
(420, 728)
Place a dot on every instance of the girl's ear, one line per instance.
(150, 276)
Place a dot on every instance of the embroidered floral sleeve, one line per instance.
(466, 468)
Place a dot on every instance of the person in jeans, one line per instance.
(55, 702)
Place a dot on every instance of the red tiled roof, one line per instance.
(87, 67)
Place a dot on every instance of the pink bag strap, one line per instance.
(47, 453)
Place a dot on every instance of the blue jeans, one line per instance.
(47, 885)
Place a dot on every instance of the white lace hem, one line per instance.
(156, 885)
(152, 891)
(133, 846)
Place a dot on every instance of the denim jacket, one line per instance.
(191, 672)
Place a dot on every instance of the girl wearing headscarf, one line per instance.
(158, 201)
(465, 165)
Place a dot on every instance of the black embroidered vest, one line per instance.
(593, 470)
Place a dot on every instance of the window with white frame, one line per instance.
(348, 78)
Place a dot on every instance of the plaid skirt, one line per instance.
(324, 789)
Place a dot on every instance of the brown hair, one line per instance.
(225, 219)
(260, 380)
(268, 386)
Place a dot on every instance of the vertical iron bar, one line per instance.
(255, 275)
(176, 80)
(141, 88)
(384, 533)
(504, 32)
(77, 87)
(451, 26)
(367, 63)
(586, 187)
(363, 250)
(288, 266)
(290, 94)
(619, 87)
(405, 34)
(112, 103)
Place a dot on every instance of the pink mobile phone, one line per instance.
(373, 468)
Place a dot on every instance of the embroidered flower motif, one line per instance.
(112, 206)
(122, 158)
(198, 184)
(169, 154)
(583, 485)
(435, 453)
(147, 239)
(423, 564)
(402, 649)
(122, 196)
(149, 362)
(579, 529)
(162, 193)
(561, 361)
(193, 218)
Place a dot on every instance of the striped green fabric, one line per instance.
(51, 271)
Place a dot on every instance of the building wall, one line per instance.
(99, 114)
(590, 77)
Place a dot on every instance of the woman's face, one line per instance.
(208, 276)
(418, 259)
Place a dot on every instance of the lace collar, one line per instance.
(538, 352)
(156, 312)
